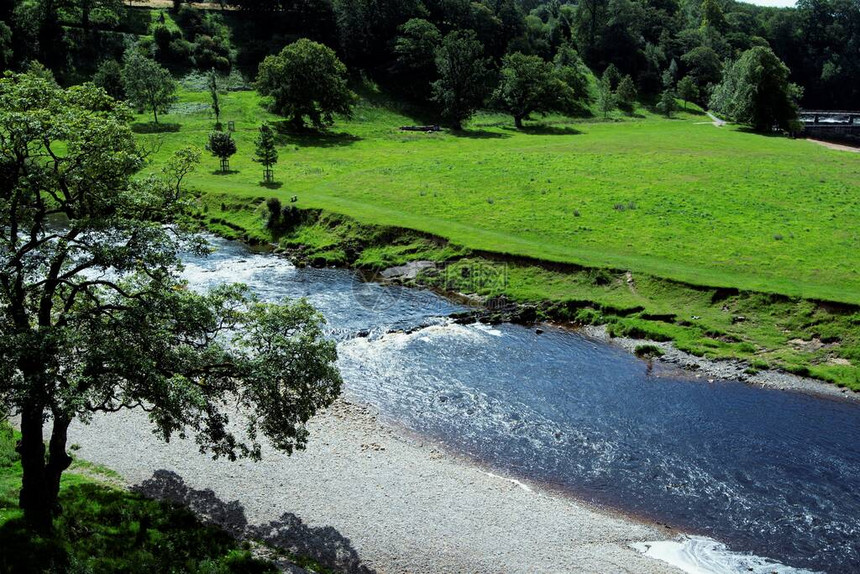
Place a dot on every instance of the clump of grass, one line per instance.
(648, 351)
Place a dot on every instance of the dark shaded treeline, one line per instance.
(394, 40)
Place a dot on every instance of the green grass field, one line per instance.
(679, 199)
(684, 206)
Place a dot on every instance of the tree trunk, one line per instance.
(33, 499)
(58, 461)
(518, 121)
(155, 113)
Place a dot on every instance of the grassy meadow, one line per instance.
(688, 209)
(678, 199)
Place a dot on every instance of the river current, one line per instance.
(766, 473)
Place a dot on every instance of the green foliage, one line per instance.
(570, 68)
(687, 90)
(107, 323)
(712, 15)
(415, 52)
(527, 85)
(213, 94)
(648, 351)
(265, 150)
(605, 96)
(306, 80)
(6, 52)
(109, 78)
(704, 66)
(755, 90)
(625, 94)
(273, 205)
(147, 85)
(463, 75)
(222, 145)
(103, 529)
(668, 103)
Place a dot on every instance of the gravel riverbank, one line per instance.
(709, 369)
(363, 498)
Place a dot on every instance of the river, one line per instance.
(768, 473)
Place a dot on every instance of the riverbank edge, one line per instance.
(652, 336)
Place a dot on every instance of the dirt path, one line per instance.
(366, 500)
(715, 120)
(835, 146)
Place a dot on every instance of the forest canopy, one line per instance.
(396, 41)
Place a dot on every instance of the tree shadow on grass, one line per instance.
(272, 184)
(288, 134)
(228, 172)
(545, 130)
(153, 128)
(111, 530)
(325, 544)
(478, 134)
(752, 131)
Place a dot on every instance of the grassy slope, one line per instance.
(712, 206)
(715, 207)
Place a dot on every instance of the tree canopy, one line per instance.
(223, 146)
(306, 80)
(527, 85)
(95, 317)
(755, 90)
(463, 77)
(147, 85)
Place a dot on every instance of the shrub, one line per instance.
(273, 204)
(109, 78)
(222, 146)
(648, 351)
(162, 37)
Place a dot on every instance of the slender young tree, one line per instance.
(687, 90)
(265, 152)
(668, 104)
(625, 94)
(95, 318)
(213, 94)
(605, 96)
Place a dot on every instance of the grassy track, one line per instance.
(678, 199)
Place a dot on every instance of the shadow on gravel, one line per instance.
(324, 544)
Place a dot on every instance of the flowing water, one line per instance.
(766, 472)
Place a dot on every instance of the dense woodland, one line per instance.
(395, 41)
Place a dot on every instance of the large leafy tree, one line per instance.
(94, 316)
(147, 85)
(463, 74)
(415, 52)
(529, 85)
(306, 80)
(755, 90)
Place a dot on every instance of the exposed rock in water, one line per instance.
(407, 272)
